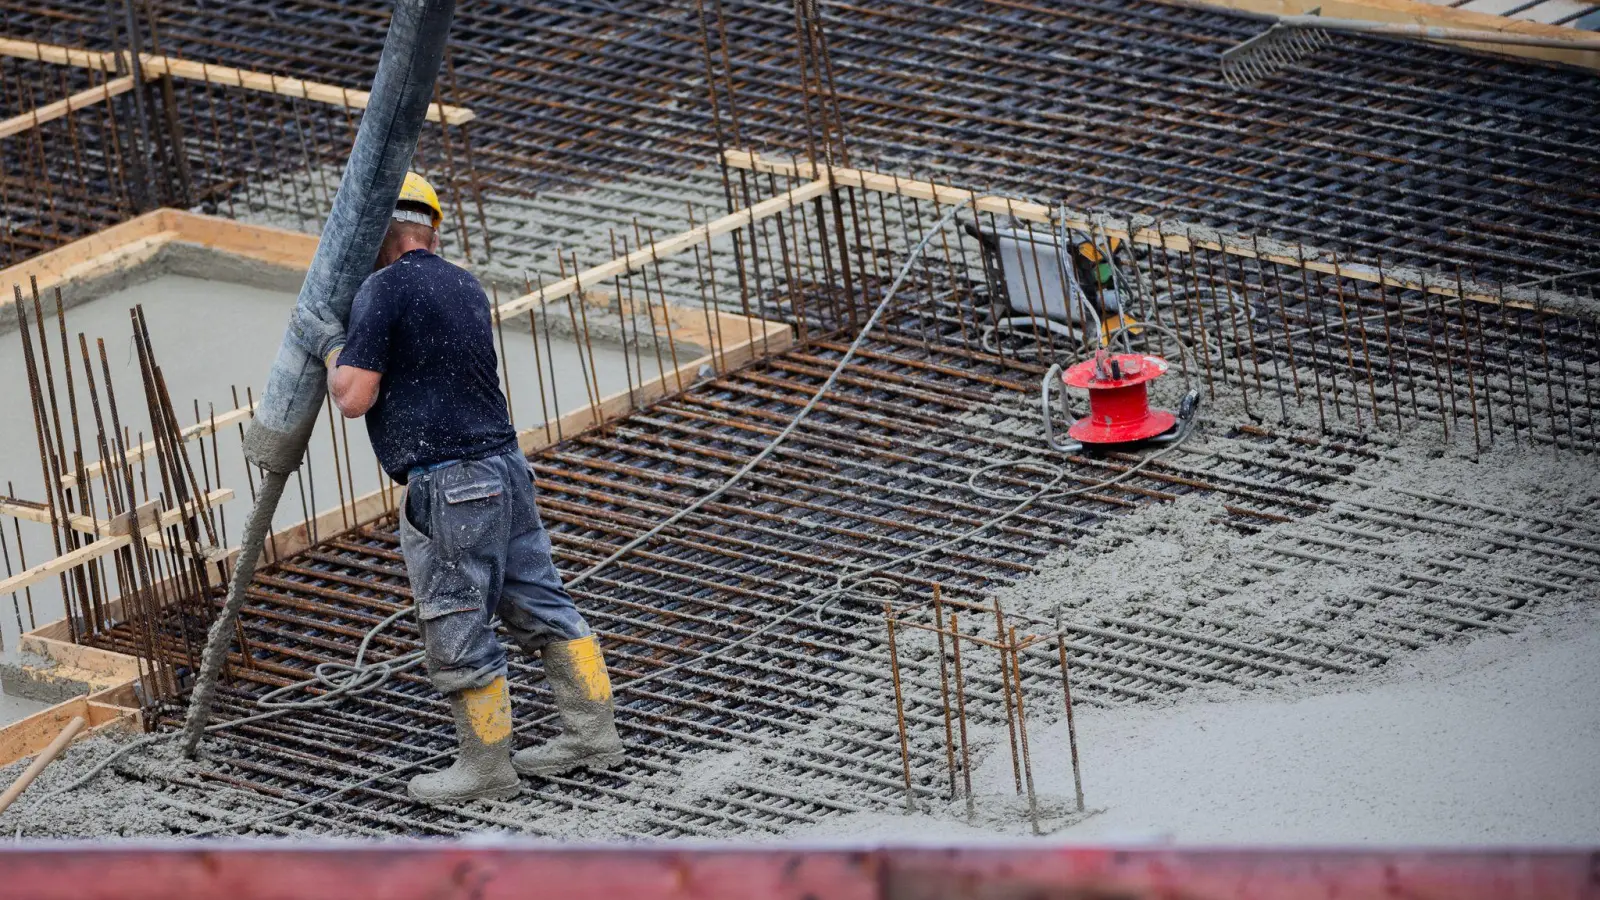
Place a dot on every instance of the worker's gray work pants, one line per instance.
(475, 548)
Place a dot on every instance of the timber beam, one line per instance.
(154, 66)
(149, 528)
(658, 250)
(1168, 235)
(33, 118)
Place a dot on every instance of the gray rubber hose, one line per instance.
(297, 384)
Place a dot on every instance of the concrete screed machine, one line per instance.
(1069, 283)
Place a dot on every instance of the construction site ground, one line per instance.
(1228, 664)
(1459, 746)
(1353, 601)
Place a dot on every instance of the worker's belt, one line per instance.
(417, 471)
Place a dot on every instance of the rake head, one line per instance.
(1265, 54)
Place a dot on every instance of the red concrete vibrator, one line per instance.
(1119, 402)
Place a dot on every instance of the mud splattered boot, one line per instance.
(577, 675)
(482, 769)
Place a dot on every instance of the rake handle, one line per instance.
(1433, 32)
(45, 757)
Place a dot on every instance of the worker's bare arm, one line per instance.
(354, 390)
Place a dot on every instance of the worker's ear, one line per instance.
(385, 254)
(433, 243)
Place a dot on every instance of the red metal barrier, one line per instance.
(418, 870)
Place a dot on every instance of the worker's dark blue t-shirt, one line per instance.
(425, 324)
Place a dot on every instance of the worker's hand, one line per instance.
(315, 335)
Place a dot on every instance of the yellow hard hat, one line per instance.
(416, 189)
(1092, 253)
(1117, 322)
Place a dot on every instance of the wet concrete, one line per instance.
(14, 708)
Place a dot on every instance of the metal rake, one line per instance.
(1276, 48)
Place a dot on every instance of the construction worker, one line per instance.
(418, 361)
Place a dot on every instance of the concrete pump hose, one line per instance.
(244, 569)
(296, 384)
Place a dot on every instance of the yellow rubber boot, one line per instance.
(576, 672)
(482, 769)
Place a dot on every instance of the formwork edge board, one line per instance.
(113, 668)
(49, 268)
(127, 256)
(129, 243)
(263, 243)
(28, 736)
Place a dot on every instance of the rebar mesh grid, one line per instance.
(1379, 147)
(882, 469)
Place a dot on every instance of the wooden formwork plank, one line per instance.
(130, 243)
(106, 666)
(68, 561)
(57, 54)
(29, 735)
(111, 527)
(659, 250)
(263, 243)
(1173, 236)
(198, 430)
(154, 66)
(284, 86)
(127, 256)
(33, 118)
(55, 266)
